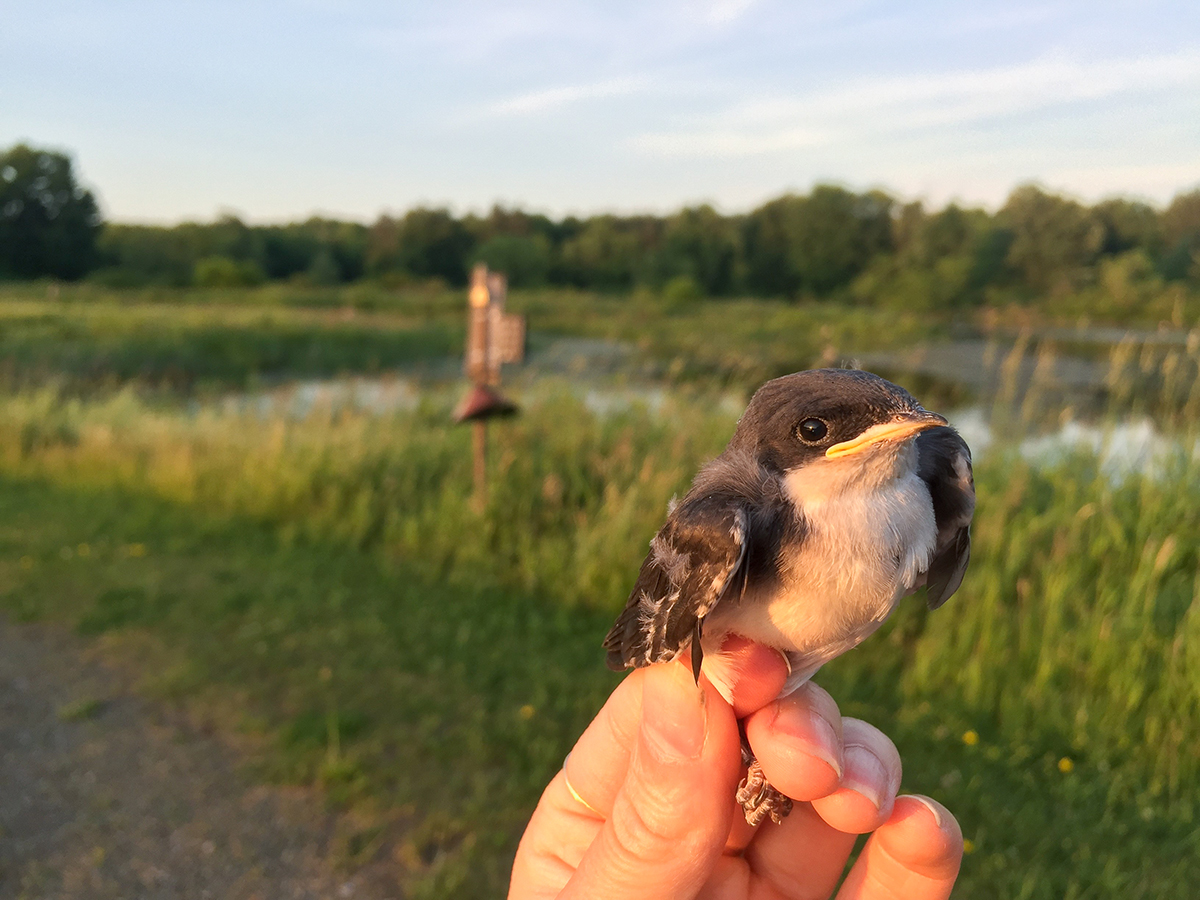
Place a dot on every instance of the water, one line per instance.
(601, 374)
(377, 396)
(1123, 447)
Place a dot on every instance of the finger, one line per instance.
(864, 799)
(671, 816)
(915, 855)
(599, 760)
(804, 856)
(754, 672)
(598, 763)
(741, 832)
(575, 804)
(798, 742)
(555, 840)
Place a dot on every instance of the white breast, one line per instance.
(867, 545)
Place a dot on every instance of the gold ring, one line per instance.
(575, 793)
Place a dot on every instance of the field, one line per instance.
(318, 587)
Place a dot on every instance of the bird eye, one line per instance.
(812, 430)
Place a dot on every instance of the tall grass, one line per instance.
(191, 347)
(1079, 607)
(230, 337)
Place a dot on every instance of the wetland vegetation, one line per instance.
(315, 581)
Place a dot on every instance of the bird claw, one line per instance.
(759, 799)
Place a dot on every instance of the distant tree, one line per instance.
(607, 253)
(383, 246)
(1181, 233)
(221, 271)
(1128, 225)
(922, 238)
(989, 258)
(48, 221)
(908, 224)
(701, 245)
(525, 259)
(947, 233)
(815, 243)
(325, 250)
(135, 255)
(427, 243)
(1053, 239)
(288, 250)
(767, 242)
(1182, 218)
(512, 222)
(231, 237)
(518, 243)
(323, 270)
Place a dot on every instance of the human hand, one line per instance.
(648, 811)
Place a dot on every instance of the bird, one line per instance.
(837, 496)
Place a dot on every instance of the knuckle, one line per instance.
(645, 827)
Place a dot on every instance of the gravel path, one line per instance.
(105, 795)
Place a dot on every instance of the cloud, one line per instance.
(722, 12)
(557, 97)
(910, 103)
(730, 143)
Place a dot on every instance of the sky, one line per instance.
(276, 110)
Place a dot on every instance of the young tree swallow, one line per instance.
(837, 496)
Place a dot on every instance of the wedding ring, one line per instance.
(575, 793)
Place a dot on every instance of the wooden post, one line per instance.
(493, 338)
(479, 446)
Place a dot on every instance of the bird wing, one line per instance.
(944, 463)
(693, 561)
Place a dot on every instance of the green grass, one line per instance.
(738, 343)
(449, 703)
(195, 338)
(196, 346)
(325, 584)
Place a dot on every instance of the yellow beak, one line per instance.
(895, 430)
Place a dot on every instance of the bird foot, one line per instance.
(759, 799)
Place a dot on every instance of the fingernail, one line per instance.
(674, 716)
(813, 733)
(787, 662)
(866, 774)
(931, 806)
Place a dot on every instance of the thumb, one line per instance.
(671, 817)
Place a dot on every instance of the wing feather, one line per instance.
(693, 560)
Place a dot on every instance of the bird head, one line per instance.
(844, 422)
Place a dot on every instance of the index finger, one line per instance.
(597, 765)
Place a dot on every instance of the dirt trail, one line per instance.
(106, 795)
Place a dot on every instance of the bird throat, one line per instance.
(869, 533)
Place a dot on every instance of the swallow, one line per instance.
(837, 496)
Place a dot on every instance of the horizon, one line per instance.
(291, 109)
(484, 211)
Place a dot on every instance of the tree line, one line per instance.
(830, 241)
